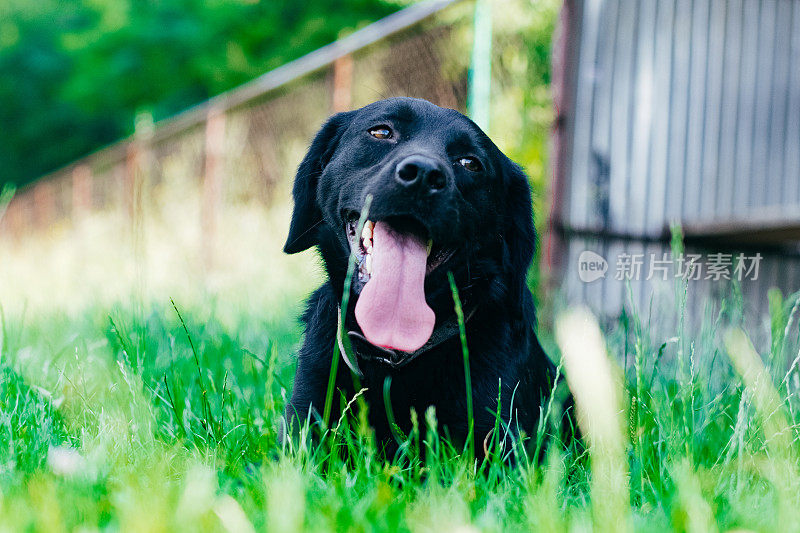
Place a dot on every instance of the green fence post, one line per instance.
(480, 73)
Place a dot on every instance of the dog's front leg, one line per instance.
(314, 366)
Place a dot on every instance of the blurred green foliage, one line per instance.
(73, 74)
(521, 103)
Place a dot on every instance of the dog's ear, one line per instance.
(518, 230)
(307, 215)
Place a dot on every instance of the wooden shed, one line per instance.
(676, 112)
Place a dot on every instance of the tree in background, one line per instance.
(73, 74)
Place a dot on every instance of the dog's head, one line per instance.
(444, 198)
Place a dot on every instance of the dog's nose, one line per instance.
(420, 171)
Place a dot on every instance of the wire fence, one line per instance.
(198, 206)
(244, 146)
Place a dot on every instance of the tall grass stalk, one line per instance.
(397, 433)
(685, 347)
(767, 401)
(782, 467)
(206, 406)
(462, 331)
(597, 387)
(348, 280)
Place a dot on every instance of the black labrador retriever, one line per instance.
(444, 199)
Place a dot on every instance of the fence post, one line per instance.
(342, 83)
(43, 205)
(564, 57)
(130, 179)
(81, 191)
(12, 223)
(480, 72)
(137, 164)
(212, 178)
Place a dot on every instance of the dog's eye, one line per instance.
(471, 163)
(381, 132)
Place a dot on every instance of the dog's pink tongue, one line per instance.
(391, 308)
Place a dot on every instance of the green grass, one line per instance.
(166, 419)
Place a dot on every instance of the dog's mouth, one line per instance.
(394, 256)
(362, 246)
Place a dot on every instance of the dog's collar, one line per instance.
(394, 358)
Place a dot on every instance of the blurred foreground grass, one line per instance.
(119, 411)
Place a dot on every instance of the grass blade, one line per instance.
(208, 419)
(348, 280)
(397, 433)
(597, 389)
(462, 330)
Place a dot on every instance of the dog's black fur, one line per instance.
(485, 215)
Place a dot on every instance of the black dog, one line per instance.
(444, 199)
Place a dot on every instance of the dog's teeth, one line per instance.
(366, 233)
(368, 263)
(367, 243)
(430, 246)
(368, 248)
